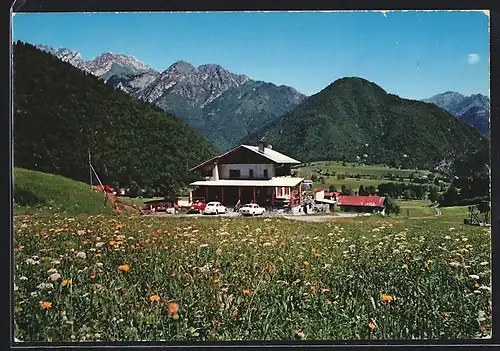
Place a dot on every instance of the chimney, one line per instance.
(261, 145)
(216, 171)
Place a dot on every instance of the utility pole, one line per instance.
(90, 170)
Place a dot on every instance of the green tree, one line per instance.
(391, 206)
(362, 191)
(134, 190)
(346, 190)
(407, 194)
(433, 194)
(451, 196)
(371, 190)
(332, 188)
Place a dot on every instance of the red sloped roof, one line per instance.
(356, 200)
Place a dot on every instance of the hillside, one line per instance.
(225, 106)
(353, 119)
(33, 189)
(473, 110)
(61, 112)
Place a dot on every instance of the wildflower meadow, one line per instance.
(110, 278)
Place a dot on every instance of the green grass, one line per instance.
(416, 208)
(374, 170)
(354, 183)
(324, 280)
(38, 191)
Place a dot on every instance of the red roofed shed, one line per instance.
(371, 204)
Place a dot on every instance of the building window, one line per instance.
(234, 173)
(265, 173)
(250, 173)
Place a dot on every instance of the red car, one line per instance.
(198, 206)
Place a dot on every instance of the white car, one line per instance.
(214, 208)
(252, 210)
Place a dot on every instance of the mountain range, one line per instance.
(351, 119)
(473, 110)
(354, 119)
(224, 106)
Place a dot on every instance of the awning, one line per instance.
(273, 182)
(327, 201)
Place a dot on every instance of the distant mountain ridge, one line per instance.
(356, 120)
(225, 106)
(473, 110)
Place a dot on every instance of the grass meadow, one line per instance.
(377, 171)
(115, 278)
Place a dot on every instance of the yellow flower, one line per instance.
(405, 266)
(154, 298)
(371, 325)
(45, 305)
(124, 268)
(246, 292)
(306, 263)
(386, 298)
(476, 285)
(21, 247)
(66, 282)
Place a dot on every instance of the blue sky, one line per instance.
(411, 54)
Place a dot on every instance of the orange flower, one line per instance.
(119, 226)
(444, 314)
(371, 325)
(154, 298)
(98, 254)
(477, 285)
(45, 305)
(112, 242)
(21, 247)
(306, 263)
(119, 242)
(216, 281)
(124, 268)
(386, 298)
(246, 292)
(66, 282)
(173, 308)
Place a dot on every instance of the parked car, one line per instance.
(198, 207)
(214, 208)
(252, 210)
